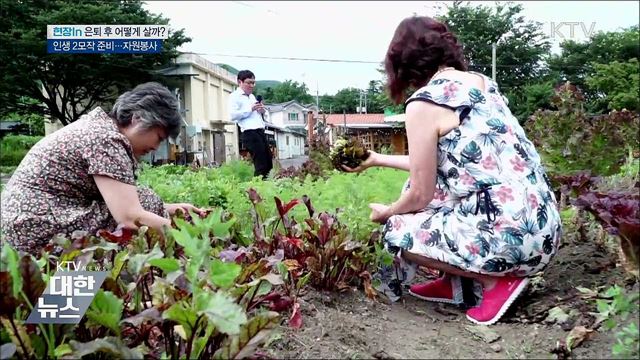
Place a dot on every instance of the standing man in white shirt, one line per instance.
(248, 113)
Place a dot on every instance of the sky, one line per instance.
(221, 31)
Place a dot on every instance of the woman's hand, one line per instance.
(380, 213)
(172, 208)
(370, 162)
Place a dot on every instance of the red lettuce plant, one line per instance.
(318, 251)
(616, 211)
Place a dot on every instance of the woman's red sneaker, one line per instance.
(496, 301)
(439, 290)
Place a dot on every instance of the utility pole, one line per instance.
(362, 102)
(344, 118)
(317, 96)
(185, 142)
(493, 61)
(365, 102)
(183, 118)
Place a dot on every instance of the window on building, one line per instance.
(287, 137)
(293, 116)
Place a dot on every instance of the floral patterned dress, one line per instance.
(53, 192)
(493, 210)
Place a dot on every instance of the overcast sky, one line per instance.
(343, 30)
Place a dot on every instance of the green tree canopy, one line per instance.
(578, 61)
(346, 100)
(520, 44)
(286, 91)
(71, 84)
(618, 84)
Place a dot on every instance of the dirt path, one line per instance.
(352, 326)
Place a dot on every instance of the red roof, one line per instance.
(339, 119)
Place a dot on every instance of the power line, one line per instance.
(296, 58)
(346, 60)
(255, 7)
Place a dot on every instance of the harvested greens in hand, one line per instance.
(349, 152)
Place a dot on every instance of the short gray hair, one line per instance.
(153, 103)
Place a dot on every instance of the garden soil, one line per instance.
(351, 326)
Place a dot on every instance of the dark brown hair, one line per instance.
(245, 74)
(419, 47)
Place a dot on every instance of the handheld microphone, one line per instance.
(259, 99)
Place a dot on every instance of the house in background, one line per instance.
(208, 134)
(373, 130)
(285, 143)
(287, 122)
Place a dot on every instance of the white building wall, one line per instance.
(276, 118)
(294, 148)
(283, 149)
(299, 148)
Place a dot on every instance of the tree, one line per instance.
(286, 91)
(521, 44)
(385, 102)
(377, 99)
(346, 100)
(265, 88)
(28, 112)
(619, 84)
(578, 61)
(327, 104)
(71, 84)
(532, 97)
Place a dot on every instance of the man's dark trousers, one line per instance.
(256, 142)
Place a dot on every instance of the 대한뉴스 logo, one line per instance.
(67, 295)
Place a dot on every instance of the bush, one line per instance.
(569, 140)
(319, 150)
(239, 169)
(7, 169)
(308, 168)
(14, 147)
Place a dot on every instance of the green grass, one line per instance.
(13, 148)
(7, 169)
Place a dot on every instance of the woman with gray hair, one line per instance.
(82, 177)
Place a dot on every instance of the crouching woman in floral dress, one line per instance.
(477, 204)
(82, 177)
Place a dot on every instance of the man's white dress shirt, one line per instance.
(240, 108)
